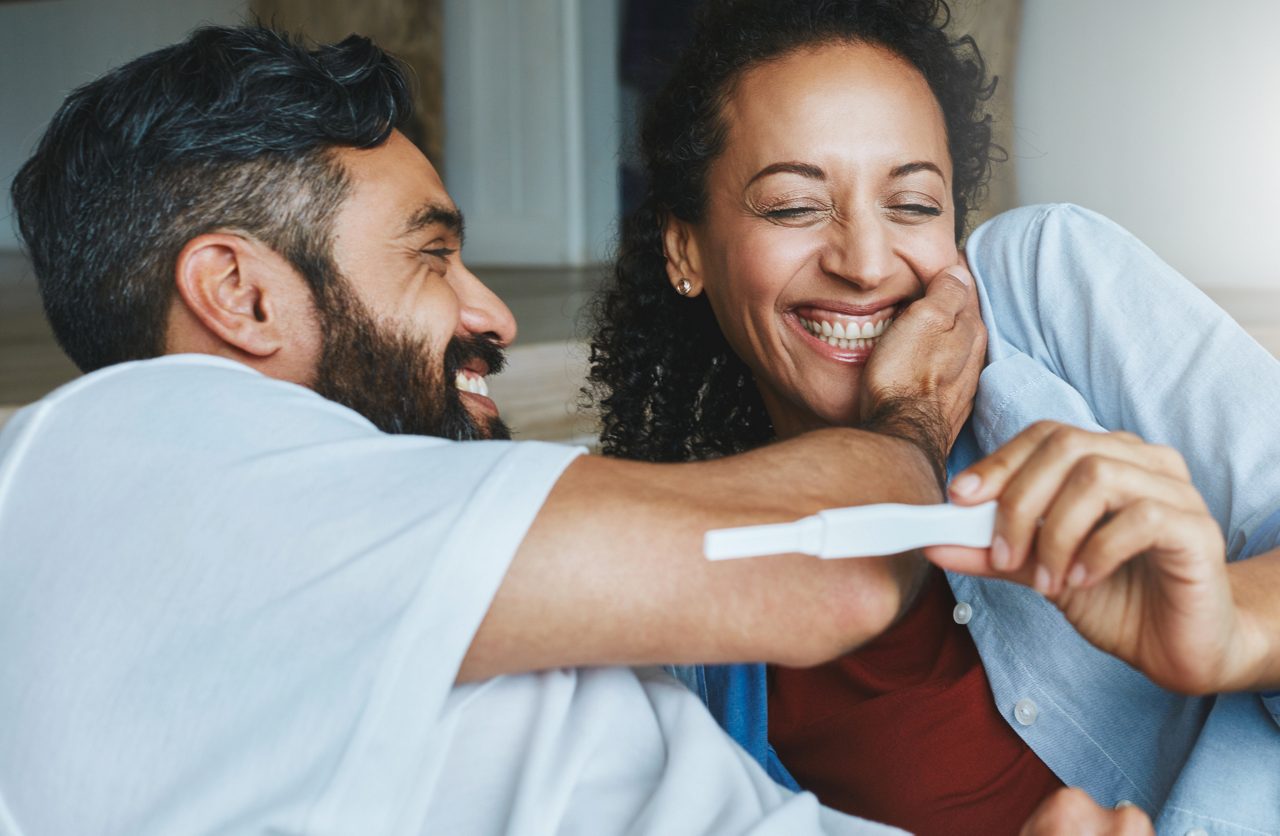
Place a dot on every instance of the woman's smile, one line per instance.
(839, 334)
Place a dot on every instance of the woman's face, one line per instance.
(828, 211)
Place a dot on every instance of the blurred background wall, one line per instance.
(1165, 116)
(49, 47)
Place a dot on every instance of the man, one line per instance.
(247, 585)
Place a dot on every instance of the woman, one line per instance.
(812, 167)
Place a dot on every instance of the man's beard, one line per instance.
(392, 378)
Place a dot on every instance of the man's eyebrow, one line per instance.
(803, 169)
(919, 165)
(438, 214)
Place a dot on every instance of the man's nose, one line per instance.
(859, 251)
(482, 311)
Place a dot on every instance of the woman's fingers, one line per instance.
(1149, 526)
(1096, 488)
(1030, 489)
(975, 562)
(1028, 473)
(988, 478)
(1174, 524)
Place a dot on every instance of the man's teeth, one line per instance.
(474, 385)
(846, 334)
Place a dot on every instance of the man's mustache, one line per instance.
(484, 348)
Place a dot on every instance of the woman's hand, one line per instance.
(1112, 531)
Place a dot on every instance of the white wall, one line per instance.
(48, 48)
(1164, 116)
(531, 127)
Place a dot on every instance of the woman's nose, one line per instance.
(482, 311)
(859, 252)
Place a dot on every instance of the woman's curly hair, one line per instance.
(665, 380)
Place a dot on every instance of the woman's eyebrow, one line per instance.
(919, 165)
(803, 169)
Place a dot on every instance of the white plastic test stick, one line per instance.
(861, 531)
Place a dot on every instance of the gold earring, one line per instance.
(683, 286)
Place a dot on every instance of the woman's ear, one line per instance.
(684, 264)
(231, 285)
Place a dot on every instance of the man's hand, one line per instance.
(920, 381)
(1113, 532)
(1072, 812)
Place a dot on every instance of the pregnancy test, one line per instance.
(861, 531)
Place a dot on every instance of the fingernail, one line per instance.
(960, 276)
(1076, 576)
(966, 484)
(1000, 557)
(1043, 580)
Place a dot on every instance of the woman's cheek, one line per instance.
(934, 262)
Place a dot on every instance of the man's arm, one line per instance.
(612, 571)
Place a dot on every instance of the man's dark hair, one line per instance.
(231, 129)
(668, 385)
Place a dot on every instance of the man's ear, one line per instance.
(684, 262)
(233, 286)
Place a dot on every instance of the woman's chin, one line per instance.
(847, 415)
(791, 422)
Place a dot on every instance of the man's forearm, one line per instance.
(612, 572)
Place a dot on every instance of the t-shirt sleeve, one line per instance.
(396, 745)
(256, 601)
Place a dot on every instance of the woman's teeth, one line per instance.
(846, 335)
(474, 385)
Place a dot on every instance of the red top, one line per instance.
(905, 730)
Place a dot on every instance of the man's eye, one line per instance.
(439, 252)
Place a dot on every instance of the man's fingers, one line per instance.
(946, 297)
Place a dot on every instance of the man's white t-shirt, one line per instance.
(228, 605)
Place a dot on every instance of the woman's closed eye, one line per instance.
(914, 207)
(794, 213)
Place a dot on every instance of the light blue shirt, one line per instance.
(1087, 326)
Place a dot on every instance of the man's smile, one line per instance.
(471, 381)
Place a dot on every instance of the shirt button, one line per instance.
(1025, 712)
(1197, 831)
(962, 613)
